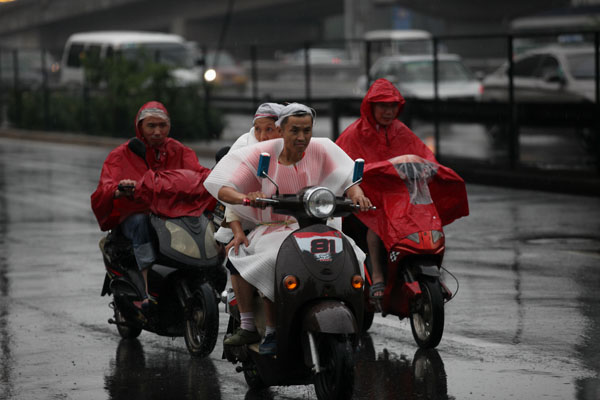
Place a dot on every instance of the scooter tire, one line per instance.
(125, 328)
(252, 377)
(367, 320)
(427, 316)
(429, 374)
(202, 324)
(336, 380)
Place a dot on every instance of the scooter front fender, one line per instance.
(329, 316)
(106, 286)
(429, 270)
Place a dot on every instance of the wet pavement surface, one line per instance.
(524, 324)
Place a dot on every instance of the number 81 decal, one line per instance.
(322, 245)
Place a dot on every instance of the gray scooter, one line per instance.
(318, 297)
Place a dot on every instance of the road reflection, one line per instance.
(589, 347)
(390, 376)
(6, 359)
(163, 375)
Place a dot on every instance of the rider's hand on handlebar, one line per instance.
(252, 196)
(125, 189)
(362, 201)
(358, 198)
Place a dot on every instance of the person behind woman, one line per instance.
(263, 128)
(297, 161)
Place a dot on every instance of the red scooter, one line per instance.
(408, 222)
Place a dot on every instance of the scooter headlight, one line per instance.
(319, 202)
(181, 241)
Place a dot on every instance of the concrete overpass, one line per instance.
(47, 23)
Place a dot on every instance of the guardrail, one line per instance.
(506, 119)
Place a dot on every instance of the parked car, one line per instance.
(388, 42)
(164, 48)
(318, 56)
(222, 70)
(30, 72)
(551, 74)
(413, 76)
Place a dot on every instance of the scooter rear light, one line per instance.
(290, 282)
(357, 282)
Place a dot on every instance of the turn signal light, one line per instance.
(290, 282)
(357, 282)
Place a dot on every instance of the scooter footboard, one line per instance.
(330, 316)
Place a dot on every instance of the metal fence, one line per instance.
(512, 133)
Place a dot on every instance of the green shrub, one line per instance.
(107, 105)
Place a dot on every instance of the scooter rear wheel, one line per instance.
(125, 328)
(427, 315)
(336, 379)
(202, 325)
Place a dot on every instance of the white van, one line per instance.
(164, 48)
(399, 42)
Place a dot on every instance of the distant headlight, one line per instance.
(319, 202)
(210, 75)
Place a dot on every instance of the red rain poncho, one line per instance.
(172, 187)
(396, 217)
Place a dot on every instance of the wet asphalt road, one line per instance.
(524, 325)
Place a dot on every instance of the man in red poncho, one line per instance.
(169, 182)
(378, 136)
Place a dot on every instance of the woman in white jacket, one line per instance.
(296, 162)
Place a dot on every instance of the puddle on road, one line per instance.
(579, 241)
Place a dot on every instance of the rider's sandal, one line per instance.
(142, 305)
(378, 287)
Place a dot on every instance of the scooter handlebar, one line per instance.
(274, 202)
(268, 202)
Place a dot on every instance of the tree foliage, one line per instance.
(107, 103)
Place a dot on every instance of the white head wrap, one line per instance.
(153, 112)
(268, 110)
(296, 109)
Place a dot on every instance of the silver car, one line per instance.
(413, 76)
(549, 74)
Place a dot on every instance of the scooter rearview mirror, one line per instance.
(359, 166)
(263, 169)
(137, 147)
(263, 165)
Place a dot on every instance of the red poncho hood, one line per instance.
(169, 181)
(364, 138)
(376, 144)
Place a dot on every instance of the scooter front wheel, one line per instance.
(427, 315)
(368, 319)
(251, 375)
(336, 379)
(202, 323)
